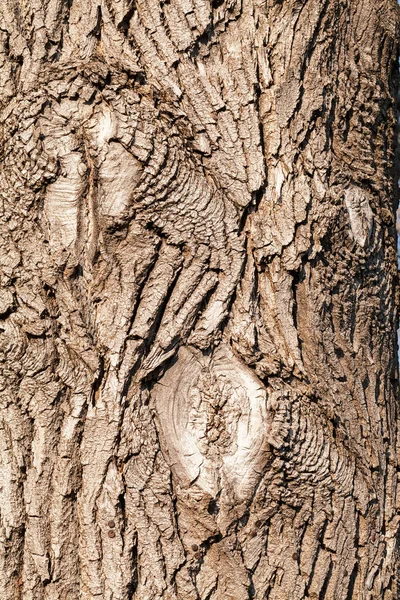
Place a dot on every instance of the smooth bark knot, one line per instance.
(211, 411)
(361, 217)
(100, 149)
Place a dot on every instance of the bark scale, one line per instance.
(199, 387)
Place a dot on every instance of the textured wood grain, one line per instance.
(198, 300)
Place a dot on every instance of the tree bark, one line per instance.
(198, 300)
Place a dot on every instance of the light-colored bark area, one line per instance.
(199, 387)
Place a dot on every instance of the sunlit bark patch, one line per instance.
(199, 394)
(212, 415)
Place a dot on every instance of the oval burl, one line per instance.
(212, 414)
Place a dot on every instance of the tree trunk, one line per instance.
(198, 303)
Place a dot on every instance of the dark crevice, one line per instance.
(146, 345)
(67, 6)
(353, 577)
(133, 584)
(124, 24)
(251, 589)
(54, 48)
(96, 31)
(212, 591)
(324, 588)
(297, 278)
(213, 539)
(312, 44)
(202, 40)
(213, 507)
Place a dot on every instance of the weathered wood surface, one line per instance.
(199, 388)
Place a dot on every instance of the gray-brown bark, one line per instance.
(198, 302)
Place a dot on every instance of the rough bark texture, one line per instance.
(198, 302)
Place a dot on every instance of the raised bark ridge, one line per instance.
(198, 307)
